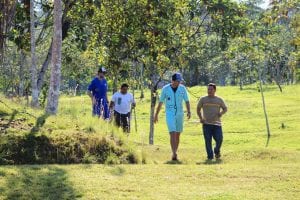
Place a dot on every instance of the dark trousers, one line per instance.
(122, 120)
(215, 132)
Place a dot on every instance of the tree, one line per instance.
(53, 95)
(35, 93)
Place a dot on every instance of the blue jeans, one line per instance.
(101, 107)
(215, 132)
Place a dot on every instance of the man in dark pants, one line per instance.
(213, 107)
(122, 102)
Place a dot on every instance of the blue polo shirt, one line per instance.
(173, 100)
(99, 88)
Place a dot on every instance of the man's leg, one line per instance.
(171, 122)
(207, 133)
(218, 137)
(96, 109)
(173, 141)
(117, 119)
(179, 128)
(177, 140)
(126, 122)
(105, 110)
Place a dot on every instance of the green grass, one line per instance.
(248, 169)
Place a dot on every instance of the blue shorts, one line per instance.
(174, 122)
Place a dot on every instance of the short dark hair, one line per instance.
(213, 85)
(124, 85)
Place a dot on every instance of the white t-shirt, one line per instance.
(122, 102)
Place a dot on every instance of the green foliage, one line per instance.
(77, 148)
(67, 138)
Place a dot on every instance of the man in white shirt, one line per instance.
(121, 103)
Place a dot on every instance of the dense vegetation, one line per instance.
(226, 42)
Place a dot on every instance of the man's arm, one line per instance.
(199, 107)
(157, 112)
(112, 102)
(188, 108)
(224, 109)
(111, 105)
(90, 93)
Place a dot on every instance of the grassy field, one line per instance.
(248, 169)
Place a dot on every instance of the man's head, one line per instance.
(176, 80)
(211, 89)
(124, 88)
(101, 71)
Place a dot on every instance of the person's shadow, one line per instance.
(174, 162)
(40, 121)
(210, 162)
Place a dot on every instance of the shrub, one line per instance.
(64, 149)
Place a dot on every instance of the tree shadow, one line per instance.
(38, 182)
(40, 121)
(5, 124)
(3, 113)
(117, 171)
(12, 117)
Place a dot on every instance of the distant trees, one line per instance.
(227, 42)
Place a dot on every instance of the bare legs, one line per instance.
(174, 141)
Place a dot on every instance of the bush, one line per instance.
(63, 149)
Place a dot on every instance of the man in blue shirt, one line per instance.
(97, 90)
(173, 96)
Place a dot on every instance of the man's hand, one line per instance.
(133, 105)
(220, 114)
(189, 115)
(202, 121)
(93, 100)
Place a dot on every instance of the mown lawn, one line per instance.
(248, 169)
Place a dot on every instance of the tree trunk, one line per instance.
(41, 75)
(265, 110)
(21, 73)
(115, 84)
(152, 108)
(141, 80)
(34, 89)
(65, 29)
(53, 95)
(154, 87)
(241, 83)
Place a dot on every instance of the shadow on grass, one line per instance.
(12, 117)
(40, 121)
(118, 171)
(210, 162)
(174, 162)
(38, 183)
(3, 113)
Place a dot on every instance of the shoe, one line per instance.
(218, 155)
(174, 158)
